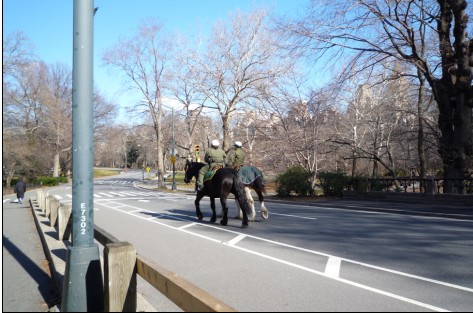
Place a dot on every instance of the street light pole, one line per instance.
(173, 154)
(83, 286)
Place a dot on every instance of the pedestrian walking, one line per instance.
(20, 189)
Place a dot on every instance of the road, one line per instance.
(303, 258)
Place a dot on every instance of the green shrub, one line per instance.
(333, 184)
(296, 179)
(49, 181)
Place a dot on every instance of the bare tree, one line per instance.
(183, 86)
(143, 59)
(371, 32)
(239, 59)
(57, 98)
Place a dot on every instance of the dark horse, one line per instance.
(252, 180)
(224, 182)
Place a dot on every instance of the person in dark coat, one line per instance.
(20, 189)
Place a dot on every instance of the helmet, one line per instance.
(238, 144)
(215, 143)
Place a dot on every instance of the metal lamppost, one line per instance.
(173, 155)
(83, 286)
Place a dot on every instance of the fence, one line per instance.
(414, 185)
(122, 264)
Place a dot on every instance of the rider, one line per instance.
(238, 158)
(213, 157)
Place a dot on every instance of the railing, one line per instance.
(122, 264)
(413, 185)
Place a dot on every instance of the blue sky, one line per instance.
(48, 24)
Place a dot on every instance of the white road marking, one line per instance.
(296, 216)
(235, 240)
(105, 194)
(186, 226)
(332, 268)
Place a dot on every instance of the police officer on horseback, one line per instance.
(213, 157)
(237, 159)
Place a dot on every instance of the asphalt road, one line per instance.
(303, 258)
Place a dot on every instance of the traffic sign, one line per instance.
(173, 159)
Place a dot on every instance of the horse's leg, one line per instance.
(244, 223)
(263, 209)
(197, 206)
(251, 201)
(238, 215)
(214, 214)
(223, 202)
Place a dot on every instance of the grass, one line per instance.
(104, 173)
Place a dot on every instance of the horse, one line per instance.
(252, 180)
(223, 182)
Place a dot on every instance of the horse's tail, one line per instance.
(260, 184)
(240, 194)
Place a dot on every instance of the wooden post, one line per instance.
(120, 277)
(54, 207)
(43, 201)
(39, 194)
(64, 222)
(49, 199)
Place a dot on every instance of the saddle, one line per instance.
(237, 168)
(211, 173)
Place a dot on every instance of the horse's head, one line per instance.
(192, 170)
(189, 171)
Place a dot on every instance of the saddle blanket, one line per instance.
(249, 173)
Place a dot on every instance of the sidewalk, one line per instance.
(27, 282)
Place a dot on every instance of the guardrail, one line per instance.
(122, 264)
(413, 185)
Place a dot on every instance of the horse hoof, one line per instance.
(223, 223)
(265, 214)
(244, 226)
(213, 219)
(200, 217)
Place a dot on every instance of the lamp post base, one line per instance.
(83, 285)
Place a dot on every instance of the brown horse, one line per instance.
(222, 183)
(252, 179)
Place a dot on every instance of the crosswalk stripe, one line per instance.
(116, 193)
(113, 194)
(106, 195)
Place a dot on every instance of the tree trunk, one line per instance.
(420, 130)
(453, 93)
(56, 165)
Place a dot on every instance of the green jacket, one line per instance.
(238, 158)
(215, 157)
